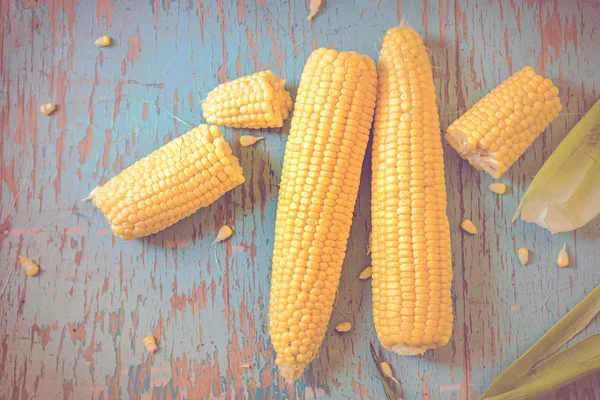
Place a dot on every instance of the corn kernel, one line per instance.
(247, 140)
(313, 8)
(387, 371)
(468, 226)
(103, 41)
(47, 108)
(563, 257)
(366, 273)
(498, 188)
(523, 254)
(224, 233)
(30, 267)
(150, 343)
(343, 327)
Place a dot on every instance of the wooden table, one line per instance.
(75, 331)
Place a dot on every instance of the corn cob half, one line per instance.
(253, 101)
(498, 129)
(319, 184)
(410, 238)
(173, 182)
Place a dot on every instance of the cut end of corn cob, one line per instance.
(498, 188)
(498, 129)
(324, 153)
(523, 254)
(412, 263)
(343, 327)
(47, 108)
(563, 257)
(173, 182)
(468, 226)
(253, 101)
(103, 41)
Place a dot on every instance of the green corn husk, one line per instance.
(535, 373)
(565, 194)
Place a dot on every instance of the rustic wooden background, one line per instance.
(75, 331)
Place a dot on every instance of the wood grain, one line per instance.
(76, 331)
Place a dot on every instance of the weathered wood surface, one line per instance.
(75, 332)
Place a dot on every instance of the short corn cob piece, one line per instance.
(498, 129)
(319, 185)
(173, 182)
(253, 101)
(410, 239)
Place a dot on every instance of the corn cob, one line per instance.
(410, 239)
(173, 182)
(319, 184)
(253, 101)
(498, 129)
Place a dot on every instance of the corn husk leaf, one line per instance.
(565, 194)
(393, 390)
(532, 374)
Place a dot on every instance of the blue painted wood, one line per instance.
(76, 330)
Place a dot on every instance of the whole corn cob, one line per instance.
(253, 101)
(498, 129)
(410, 238)
(173, 182)
(319, 184)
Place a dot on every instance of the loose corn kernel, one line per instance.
(173, 182)
(150, 343)
(387, 371)
(366, 273)
(343, 327)
(224, 233)
(498, 129)
(103, 41)
(30, 267)
(523, 254)
(411, 255)
(563, 257)
(468, 226)
(247, 140)
(47, 108)
(324, 153)
(313, 8)
(498, 188)
(253, 101)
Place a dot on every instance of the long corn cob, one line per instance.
(410, 239)
(319, 184)
(498, 129)
(173, 182)
(253, 101)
